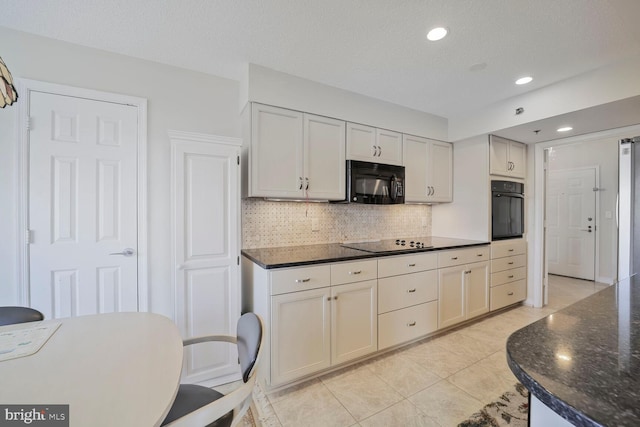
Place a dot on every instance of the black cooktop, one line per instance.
(391, 245)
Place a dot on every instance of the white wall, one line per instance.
(284, 90)
(177, 99)
(468, 217)
(601, 86)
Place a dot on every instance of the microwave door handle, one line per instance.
(393, 189)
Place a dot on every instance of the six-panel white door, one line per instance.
(82, 206)
(571, 223)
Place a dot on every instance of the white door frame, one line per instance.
(537, 270)
(25, 87)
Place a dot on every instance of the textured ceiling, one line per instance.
(372, 47)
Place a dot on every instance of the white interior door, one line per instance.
(82, 206)
(571, 223)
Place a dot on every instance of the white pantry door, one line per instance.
(82, 206)
(571, 223)
(206, 250)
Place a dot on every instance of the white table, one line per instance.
(118, 369)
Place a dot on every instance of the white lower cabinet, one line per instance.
(508, 273)
(354, 321)
(463, 290)
(300, 334)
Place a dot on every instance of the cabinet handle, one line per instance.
(355, 272)
(480, 254)
(336, 297)
(433, 190)
(379, 151)
(300, 181)
(328, 298)
(411, 290)
(454, 258)
(467, 272)
(511, 277)
(510, 293)
(510, 263)
(303, 280)
(307, 184)
(411, 265)
(412, 323)
(510, 250)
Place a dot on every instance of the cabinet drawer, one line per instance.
(348, 272)
(503, 249)
(507, 263)
(397, 265)
(510, 293)
(507, 276)
(463, 256)
(404, 325)
(410, 289)
(300, 279)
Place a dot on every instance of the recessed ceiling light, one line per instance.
(437, 33)
(565, 129)
(524, 80)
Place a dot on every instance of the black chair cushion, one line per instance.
(13, 315)
(191, 397)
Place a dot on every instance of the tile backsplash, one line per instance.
(271, 224)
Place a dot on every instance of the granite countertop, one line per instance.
(583, 361)
(291, 256)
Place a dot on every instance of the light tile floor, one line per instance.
(436, 382)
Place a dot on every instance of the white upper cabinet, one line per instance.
(296, 155)
(324, 157)
(428, 170)
(371, 144)
(507, 158)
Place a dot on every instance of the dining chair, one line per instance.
(197, 405)
(10, 315)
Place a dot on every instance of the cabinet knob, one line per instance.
(411, 290)
(411, 323)
(336, 297)
(303, 280)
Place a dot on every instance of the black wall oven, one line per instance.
(507, 210)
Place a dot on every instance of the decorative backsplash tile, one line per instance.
(271, 224)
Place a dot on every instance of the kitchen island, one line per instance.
(582, 363)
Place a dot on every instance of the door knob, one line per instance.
(126, 252)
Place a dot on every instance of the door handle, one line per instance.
(126, 252)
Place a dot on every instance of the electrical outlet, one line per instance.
(315, 224)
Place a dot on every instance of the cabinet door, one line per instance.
(361, 143)
(498, 156)
(354, 320)
(518, 159)
(276, 152)
(415, 168)
(451, 295)
(477, 289)
(324, 158)
(440, 171)
(389, 145)
(300, 334)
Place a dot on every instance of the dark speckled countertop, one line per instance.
(291, 256)
(583, 361)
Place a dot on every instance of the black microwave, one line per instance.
(374, 183)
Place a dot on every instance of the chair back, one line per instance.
(249, 336)
(12, 315)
